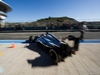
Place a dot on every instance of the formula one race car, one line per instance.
(58, 50)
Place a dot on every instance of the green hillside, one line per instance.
(55, 21)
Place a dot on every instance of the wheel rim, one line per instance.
(53, 56)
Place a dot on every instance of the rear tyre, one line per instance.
(54, 56)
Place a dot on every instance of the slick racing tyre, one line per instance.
(54, 56)
(31, 39)
(35, 38)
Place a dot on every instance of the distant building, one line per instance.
(4, 8)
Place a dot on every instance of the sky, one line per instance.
(32, 10)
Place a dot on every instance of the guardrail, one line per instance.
(14, 31)
(43, 29)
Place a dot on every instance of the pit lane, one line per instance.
(28, 59)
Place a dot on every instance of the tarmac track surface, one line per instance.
(25, 36)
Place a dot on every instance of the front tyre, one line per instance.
(54, 56)
(31, 39)
(35, 38)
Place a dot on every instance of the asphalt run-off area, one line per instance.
(89, 37)
(29, 59)
(59, 35)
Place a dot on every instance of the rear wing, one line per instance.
(73, 42)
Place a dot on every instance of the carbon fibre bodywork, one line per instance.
(57, 49)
